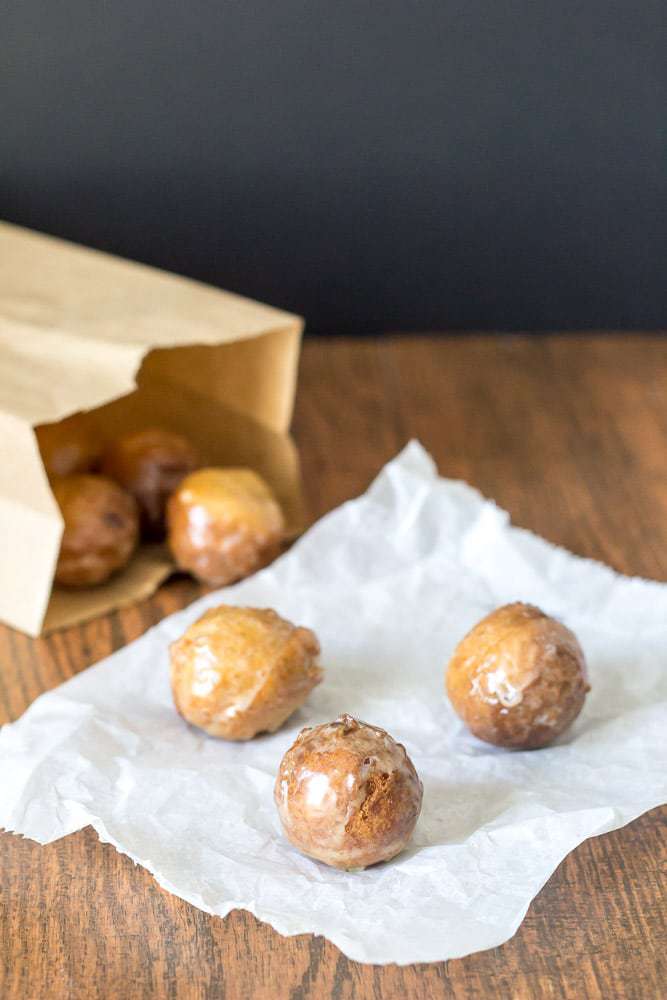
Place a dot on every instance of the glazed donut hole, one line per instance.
(100, 531)
(224, 524)
(348, 794)
(238, 672)
(518, 679)
(150, 464)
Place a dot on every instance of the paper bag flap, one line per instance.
(75, 325)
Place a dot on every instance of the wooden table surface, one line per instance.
(568, 433)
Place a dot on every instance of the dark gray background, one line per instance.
(387, 165)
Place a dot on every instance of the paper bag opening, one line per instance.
(159, 351)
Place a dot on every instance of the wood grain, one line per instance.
(567, 433)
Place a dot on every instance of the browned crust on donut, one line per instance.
(150, 464)
(101, 528)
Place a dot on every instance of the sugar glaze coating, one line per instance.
(518, 678)
(237, 672)
(348, 794)
(224, 524)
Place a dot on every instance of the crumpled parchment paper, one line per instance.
(390, 582)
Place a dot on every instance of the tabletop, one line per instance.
(566, 432)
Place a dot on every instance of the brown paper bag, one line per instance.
(126, 346)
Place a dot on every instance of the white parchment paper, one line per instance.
(390, 582)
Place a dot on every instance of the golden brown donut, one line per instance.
(100, 531)
(518, 678)
(237, 672)
(224, 524)
(67, 447)
(150, 464)
(348, 794)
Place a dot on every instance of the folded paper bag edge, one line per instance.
(31, 359)
(102, 290)
(107, 315)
